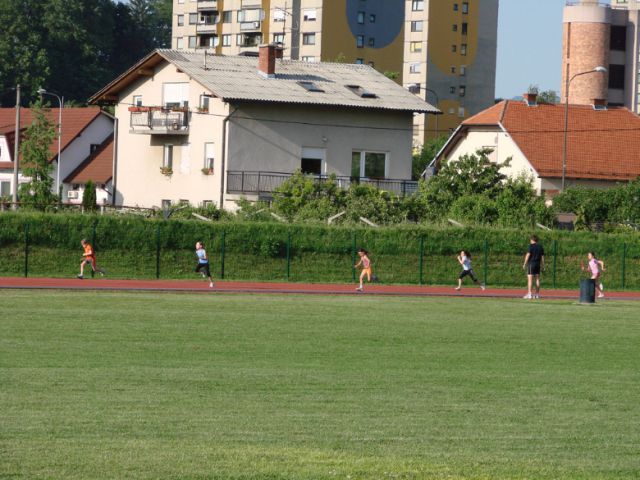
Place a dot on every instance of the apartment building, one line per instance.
(598, 34)
(442, 50)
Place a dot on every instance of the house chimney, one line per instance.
(267, 60)
(279, 52)
(531, 98)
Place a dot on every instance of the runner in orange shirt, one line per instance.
(88, 257)
(365, 262)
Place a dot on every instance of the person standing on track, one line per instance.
(595, 267)
(203, 263)
(464, 258)
(365, 262)
(533, 264)
(89, 257)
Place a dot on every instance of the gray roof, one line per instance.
(236, 78)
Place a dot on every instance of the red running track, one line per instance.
(106, 284)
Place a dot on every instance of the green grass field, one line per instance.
(212, 386)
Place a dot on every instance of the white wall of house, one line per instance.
(102, 195)
(5, 154)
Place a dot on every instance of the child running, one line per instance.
(366, 267)
(203, 263)
(464, 258)
(89, 257)
(595, 267)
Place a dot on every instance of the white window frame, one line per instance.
(363, 155)
(209, 155)
(309, 15)
(137, 101)
(167, 156)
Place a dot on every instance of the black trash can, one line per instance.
(587, 290)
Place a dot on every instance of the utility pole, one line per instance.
(16, 152)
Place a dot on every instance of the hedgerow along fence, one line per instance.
(42, 245)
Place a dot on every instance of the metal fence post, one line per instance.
(555, 260)
(421, 263)
(158, 251)
(26, 250)
(222, 245)
(288, 255)
(353, 256)
(624, 265)
(93, 242)
(486, 261)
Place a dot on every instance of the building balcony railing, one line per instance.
(159, 121)
(207, 4)
(258, 183)
(210, 27)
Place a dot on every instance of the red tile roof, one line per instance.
(74, 121)
(97, 167)
(601, 144)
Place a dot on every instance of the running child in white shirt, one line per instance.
(464, 259)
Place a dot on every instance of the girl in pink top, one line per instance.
(365, 263)
(595, 268)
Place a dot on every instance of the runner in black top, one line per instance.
(533, 264)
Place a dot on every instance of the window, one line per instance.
(279, 15)
(359, 61)
(203, 106)
(455, 7)
(463, 49)
(372, 41)
(415, 47)
(453, 70)
(454, 27)
(462, 90)
(309, 15)
(616, 76)
(454, 48)
(309, 59)
(209, 155)
(226, 40)
(308, 38)
(414, 68)
(137, 101)
(618, 38)
(461, 112)
(167, 156)
(465, 7)
(465, 27)
(193, 18)
(5, 188)
(93, 147)
(193, 41)
(227, 16)
(180, 20)
(360, 41)
(417, 5)
(361, 18)
(372, 18)
(278, 38)
(361, 92)
(310, 87)
(452, 89)
(179, 43)
(166, 204)
(175, 94)
(312, 160)
(463, 70)
(417, 26)
(368, 164)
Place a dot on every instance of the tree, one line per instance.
(304, 197)
(549, 97)
(89, 202)
(36, 154)
(428, 152)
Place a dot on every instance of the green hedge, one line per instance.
(135, 247)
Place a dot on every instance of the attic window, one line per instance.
(310, 87)
(361, 92)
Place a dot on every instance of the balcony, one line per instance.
(207, 4)
(258, 183)
(207, 27)
(159, 121)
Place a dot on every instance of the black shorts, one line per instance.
(204, 267)
(533, 269)
(464, 273)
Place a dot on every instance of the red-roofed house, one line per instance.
(603, 145)
(84, 131)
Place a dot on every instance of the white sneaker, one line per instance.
(601, 295)
(211, 285)
(358, 289)
(536, 296)
(601, 287)
(482, 286)
(457, 288)
(528, 296)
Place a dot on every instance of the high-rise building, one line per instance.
(442, 50)
(597, 34)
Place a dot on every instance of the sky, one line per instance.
(529, 46)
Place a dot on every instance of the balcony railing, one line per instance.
(159, 121)
(267, 182)
(207, 4)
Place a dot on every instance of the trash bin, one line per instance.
(587, 290)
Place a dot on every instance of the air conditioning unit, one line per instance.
(256, 24)
(73, 194)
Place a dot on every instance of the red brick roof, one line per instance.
(601, 144)
(97, 167)
(74, 121)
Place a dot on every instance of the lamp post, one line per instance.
(437, 101)
(42, 91)
(599, 69)
(16, 152)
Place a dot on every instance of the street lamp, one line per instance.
(598, 69)
(42, 91)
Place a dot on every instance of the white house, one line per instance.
(209, 129)
(602, 148)
(83, 131)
